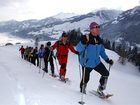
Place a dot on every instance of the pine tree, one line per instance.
(134, 53)
(118, 49)
(129, 54)
(137, 62)
(113, 46)
(123, 54)
(106, 44)
(74, 36)
(36, 41)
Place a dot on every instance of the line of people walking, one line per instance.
(39, 57)
(89, 49)
(45, 55)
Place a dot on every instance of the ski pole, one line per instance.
(80, 71)
(30, 64)
(79, 67)
(83, 81)
(56, 66)
(105, 84)
(83, 77)
(40, 61)
(109, 67)
(43, 74)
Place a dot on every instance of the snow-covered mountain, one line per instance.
(121, 27)
(50, 26)
(64, 15)
(125, 28)
(83, 21)
(22, 84)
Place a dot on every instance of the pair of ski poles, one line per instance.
(83, 80)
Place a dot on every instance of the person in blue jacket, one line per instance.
(90, 49)
(41, 56)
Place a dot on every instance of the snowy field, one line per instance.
(22, 84)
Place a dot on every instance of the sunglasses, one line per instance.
(96, 27)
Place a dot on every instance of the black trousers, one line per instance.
(100, 69)
(51, 64)
(34, 59)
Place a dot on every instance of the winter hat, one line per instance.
(64, 34)
(92, 25)
(42, 45)
(48, 43)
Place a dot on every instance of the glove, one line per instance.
(51, 48)
(110, 61)
(77, 52)
(83, 39)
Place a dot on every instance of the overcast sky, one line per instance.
(39, 9)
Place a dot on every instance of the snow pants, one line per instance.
(62, 59)
(51, 65)
(100, 69)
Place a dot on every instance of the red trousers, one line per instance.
(63, 64)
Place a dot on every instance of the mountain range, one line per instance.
(49, 27)
(125, 28)
(116, 25)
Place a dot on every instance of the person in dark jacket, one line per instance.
(48, 58)
(35, 59)
(62, 46)
(41, 56)
(22, 49)
(90, 49)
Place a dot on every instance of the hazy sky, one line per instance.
(39, 9)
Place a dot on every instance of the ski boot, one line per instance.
(62, 78)
(100, 92)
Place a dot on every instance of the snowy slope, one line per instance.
(21, 84)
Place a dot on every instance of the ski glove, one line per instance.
(83, 39)
(77, 52)
(110, 61)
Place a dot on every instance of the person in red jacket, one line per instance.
(62, 46)
(22, 51)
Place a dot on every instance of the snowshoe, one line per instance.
(102, 96)
(63, 79)
(54, 75)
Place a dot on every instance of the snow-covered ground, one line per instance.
(22, 84)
